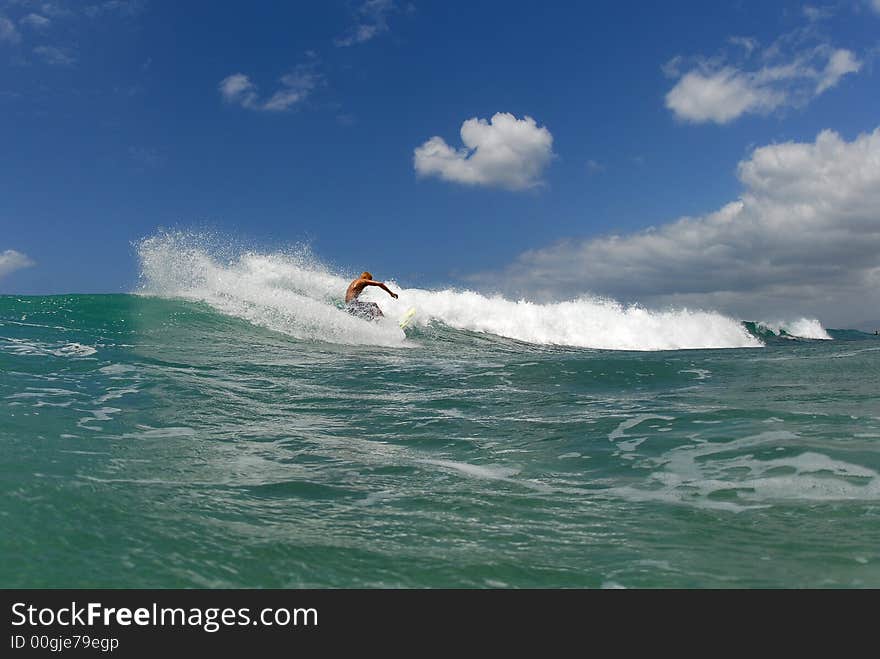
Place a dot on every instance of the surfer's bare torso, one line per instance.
(356, 287)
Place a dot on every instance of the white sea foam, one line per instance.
(295, 294)
(802, 328)
(490, 472)
(25, 347)
(620, 430)
(74, 349)
(116, 369)
(698, 474)
(289, 293)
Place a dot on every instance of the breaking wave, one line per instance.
(294, 293)
(802, 328)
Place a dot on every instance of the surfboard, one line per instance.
(406, 319)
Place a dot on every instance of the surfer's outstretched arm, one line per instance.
(382, 286)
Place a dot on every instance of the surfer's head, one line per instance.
(366, 275)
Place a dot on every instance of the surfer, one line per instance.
(368, 310)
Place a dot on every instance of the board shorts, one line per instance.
(365, 310)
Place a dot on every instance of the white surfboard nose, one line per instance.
(406, 319)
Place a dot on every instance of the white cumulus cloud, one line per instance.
(803, 238)
(792, 71)
(10, 261)
(503, 152)
(720, 96)
(839, 64)
(238, 89)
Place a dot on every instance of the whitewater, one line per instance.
(294, 293)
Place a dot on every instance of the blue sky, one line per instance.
(281, 122)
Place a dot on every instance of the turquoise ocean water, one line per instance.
(224, 438)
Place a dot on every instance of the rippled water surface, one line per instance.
(147, 442)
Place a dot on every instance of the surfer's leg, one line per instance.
(375, 310)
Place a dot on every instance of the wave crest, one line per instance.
(294, 293)
(801, 328)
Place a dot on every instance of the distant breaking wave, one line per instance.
(802, 328)
(292, 292)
